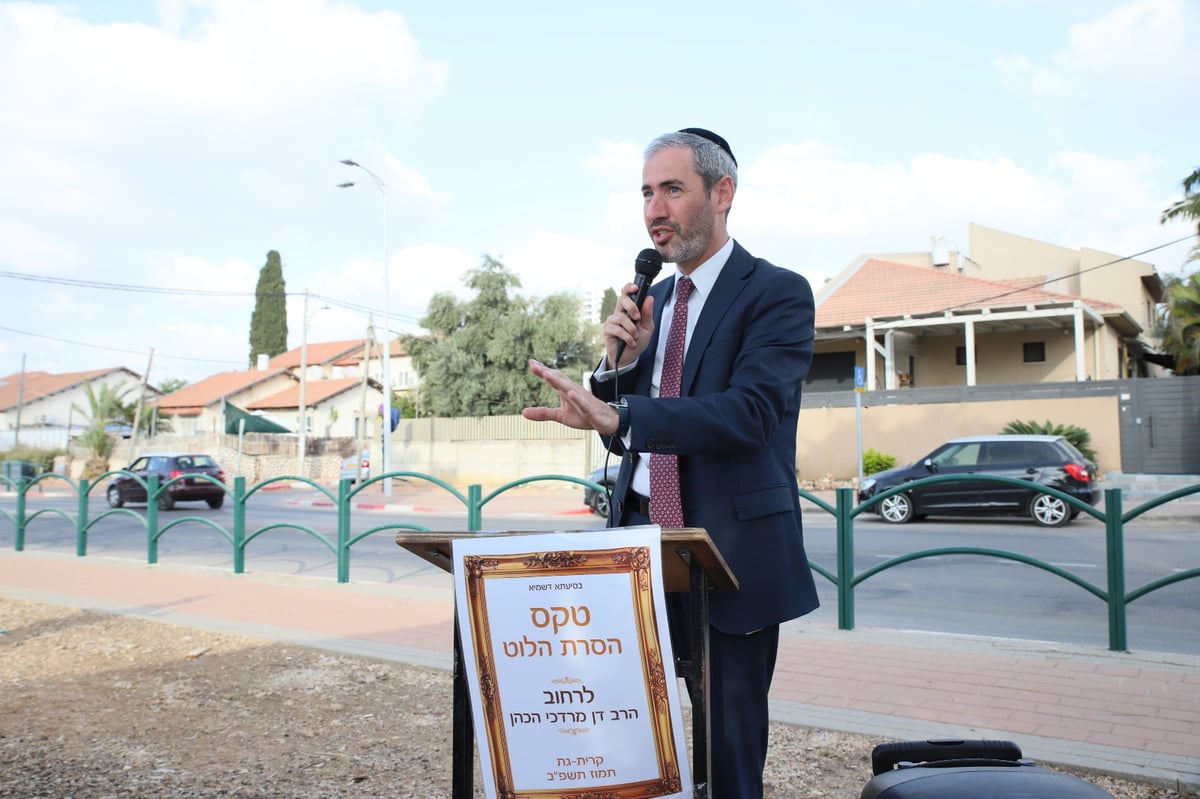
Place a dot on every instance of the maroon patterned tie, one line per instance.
(666, 506)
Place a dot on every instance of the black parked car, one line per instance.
(168, 466)
(1045, 460)
(598, 500)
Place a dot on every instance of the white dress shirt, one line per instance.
(703, 278)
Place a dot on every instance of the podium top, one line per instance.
(680, 548)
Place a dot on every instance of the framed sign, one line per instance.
(572, 680)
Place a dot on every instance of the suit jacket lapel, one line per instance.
(725, 291)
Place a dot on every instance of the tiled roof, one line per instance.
(355, 356)
(315, 392)
(39, 385)
(882, 289)
(319, 352)
(192, 399)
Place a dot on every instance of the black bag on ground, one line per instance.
(960, 769)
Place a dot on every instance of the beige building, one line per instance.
(1014, 311)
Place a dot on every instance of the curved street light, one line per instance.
(304, 380)
(387, 350)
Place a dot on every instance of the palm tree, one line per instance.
(148, 422)
(1181, 323)
(106, 406)
(1188, 208)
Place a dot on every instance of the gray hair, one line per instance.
(711, 160)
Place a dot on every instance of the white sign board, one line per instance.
(568, 658)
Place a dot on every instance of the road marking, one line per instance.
(1052, 563)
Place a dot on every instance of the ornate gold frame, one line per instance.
(634, 561)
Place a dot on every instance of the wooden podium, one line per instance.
(690, 562)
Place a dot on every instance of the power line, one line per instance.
(100, 285)
(353, 306)
(159, 290)
(110, 349)
(96, 284)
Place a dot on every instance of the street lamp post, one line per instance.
(387, 349)
(304, 379)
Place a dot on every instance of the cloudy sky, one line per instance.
(152, 153)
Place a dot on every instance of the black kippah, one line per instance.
(712, 137)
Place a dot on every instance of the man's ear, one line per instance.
(723, 194)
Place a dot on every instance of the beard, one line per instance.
(692, 243)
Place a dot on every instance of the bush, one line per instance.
(1081, 438)
(877, 462)
(44, 458)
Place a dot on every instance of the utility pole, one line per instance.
(20, 402)
(303, 384)
(387, 324)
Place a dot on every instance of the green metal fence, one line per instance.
(1116, 596)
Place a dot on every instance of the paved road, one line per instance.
(949, 594)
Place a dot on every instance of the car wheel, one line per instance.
(600, 502)
(166, 501)
(114, 497)
(897, 509)
(1049, 511)
(217, 501)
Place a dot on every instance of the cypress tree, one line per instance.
(268, 323)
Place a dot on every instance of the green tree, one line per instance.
(608, 304)
(407, 404)
(104, 407)
(475, 360)
(148, 421)
(1179, 326)
(268, 322)
(1189, 207)
(173, 384)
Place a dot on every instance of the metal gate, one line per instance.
(1160, 426)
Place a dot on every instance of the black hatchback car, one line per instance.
(168, 466)
(1050, 461)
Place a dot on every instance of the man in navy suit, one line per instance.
(732, 428)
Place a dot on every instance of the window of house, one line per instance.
(830, 371)
(960, 356)
(1034, 351)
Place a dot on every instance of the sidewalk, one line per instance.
(1135, 714)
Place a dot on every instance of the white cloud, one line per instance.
(551, 263)
(1143, 51)
(806, 207)
(144, 131)
(178, 152)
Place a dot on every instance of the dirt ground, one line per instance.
(96, 706)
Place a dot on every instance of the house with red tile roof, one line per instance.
(1015, 311)
(199, 407)
(44, 404)
(404, 375)
(326, 372)
(335, 406)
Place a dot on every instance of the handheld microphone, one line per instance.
(647, 266)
